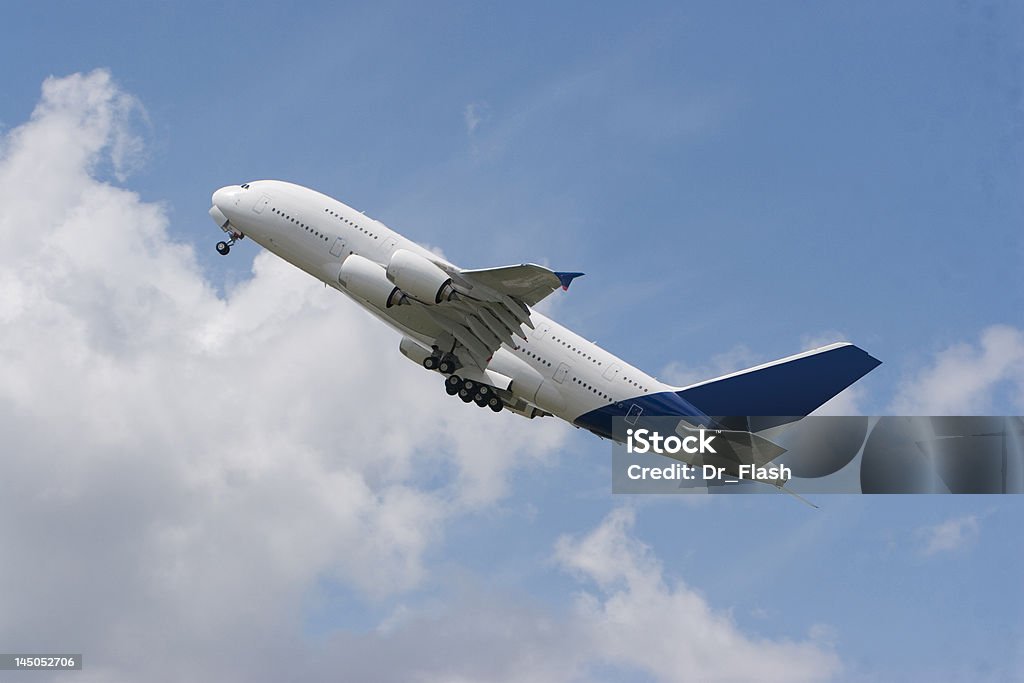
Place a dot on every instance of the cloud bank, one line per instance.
(640, 619)
(196, 463)
(629, 621)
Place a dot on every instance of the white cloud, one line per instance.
(951, 535)
(474, 114)
(819, 339)
(965, 378)
(739, 357)
(631, 619)
(181, 468)
(640, 619)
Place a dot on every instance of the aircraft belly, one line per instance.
(419, 327)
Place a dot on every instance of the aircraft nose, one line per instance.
(222, 200)
(224, 195)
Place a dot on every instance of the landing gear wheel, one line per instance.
(480, 400)
(223, 248)
(453, 381)
(465, 396)
(430, 362)
(446, 366)
(451, 390)
(471, 386)
(495, 404)
(484, 390)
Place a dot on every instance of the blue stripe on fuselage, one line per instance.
(665, 403)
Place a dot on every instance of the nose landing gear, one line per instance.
(224, 248)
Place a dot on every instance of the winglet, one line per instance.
(567, 278)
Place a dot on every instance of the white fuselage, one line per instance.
(317, 233)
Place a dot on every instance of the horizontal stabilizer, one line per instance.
(788, 388)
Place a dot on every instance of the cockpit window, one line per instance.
(245, 186)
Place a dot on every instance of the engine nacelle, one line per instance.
(419, 277)
(414, 351)
(525, 380)
(368, 281)
(527, 383)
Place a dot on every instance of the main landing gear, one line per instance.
(445, 363)
(469, 391)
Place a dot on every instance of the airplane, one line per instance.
(478, 327)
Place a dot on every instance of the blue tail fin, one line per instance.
(785, 389)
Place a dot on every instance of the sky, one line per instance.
(216, 469)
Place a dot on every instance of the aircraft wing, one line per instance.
(493, 305)
(527, 282)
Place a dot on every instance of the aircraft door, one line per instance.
(612, 372)
(560, 372)
(261, 204)
(338, 247)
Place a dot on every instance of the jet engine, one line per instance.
(368, 281)
(419, 277)
(414, 351)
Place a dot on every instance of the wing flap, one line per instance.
(493, 304)
(499, 311)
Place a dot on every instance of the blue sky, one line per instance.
(737, 180)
